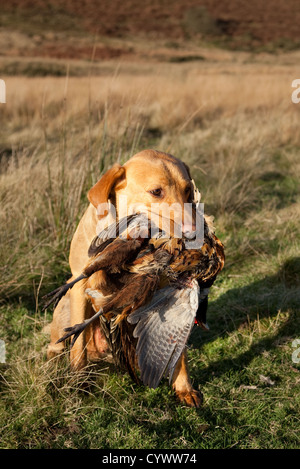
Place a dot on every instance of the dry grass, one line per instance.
(168, 97)
(59, 133)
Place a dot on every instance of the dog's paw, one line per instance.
(54, 350)
(191, 398)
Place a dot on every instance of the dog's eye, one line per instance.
(187, 192)
(156, 192)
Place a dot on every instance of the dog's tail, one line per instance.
(59, 292)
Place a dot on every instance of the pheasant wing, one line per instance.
(102, 257)
(106, 236)
(113, 253)
(163, 327)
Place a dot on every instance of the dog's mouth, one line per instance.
(174, 220)
(169, 221)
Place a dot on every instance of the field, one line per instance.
(228, 114)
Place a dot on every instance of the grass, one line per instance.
(235, 125)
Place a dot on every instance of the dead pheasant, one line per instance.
(148, 292)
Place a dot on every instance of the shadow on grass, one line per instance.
(239, 308)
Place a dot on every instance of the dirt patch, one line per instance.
(61, 51)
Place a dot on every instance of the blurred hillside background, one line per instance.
(92, 82)
(90, 29)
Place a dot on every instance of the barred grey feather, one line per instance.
(163, 328)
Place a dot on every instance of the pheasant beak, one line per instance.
(201, 324)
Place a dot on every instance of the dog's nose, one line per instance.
(188, 230)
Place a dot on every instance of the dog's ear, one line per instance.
(188, 169)
(100, 192)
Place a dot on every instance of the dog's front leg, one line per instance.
(182, 385)
(61, 320)
(79, 308)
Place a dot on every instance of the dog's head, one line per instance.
(150, 181)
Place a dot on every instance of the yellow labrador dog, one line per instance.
(148, 177)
